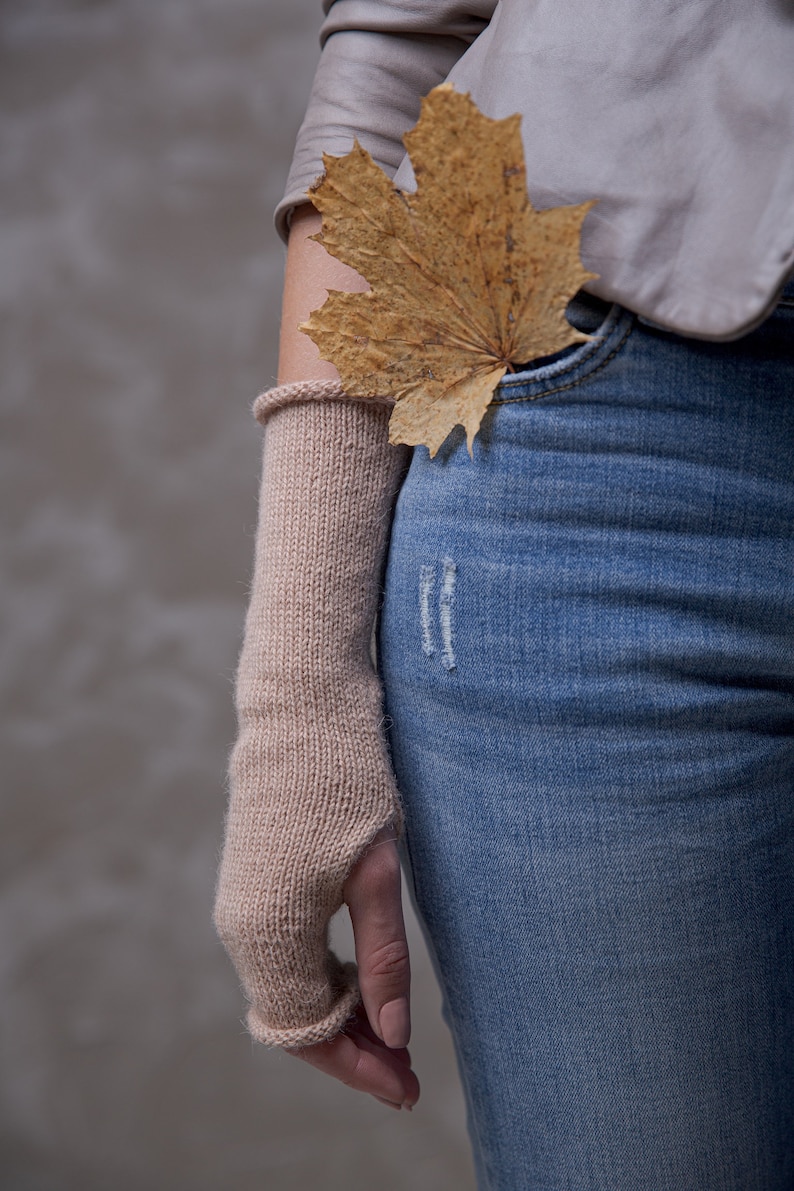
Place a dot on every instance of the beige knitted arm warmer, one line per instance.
(310, 778)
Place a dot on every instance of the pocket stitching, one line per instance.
(585, 375)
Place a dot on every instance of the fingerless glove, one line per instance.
(310, 779)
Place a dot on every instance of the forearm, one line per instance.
(310, 781)
(309, 275)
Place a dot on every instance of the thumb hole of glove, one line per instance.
(372, 894)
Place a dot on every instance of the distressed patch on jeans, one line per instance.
(427, 582)
(446, 600)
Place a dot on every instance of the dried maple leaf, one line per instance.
(467, 279)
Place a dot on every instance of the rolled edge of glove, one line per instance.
(313, 392)
(310, 778)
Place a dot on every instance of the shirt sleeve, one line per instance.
(379, 58)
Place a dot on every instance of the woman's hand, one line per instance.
(371, 1055)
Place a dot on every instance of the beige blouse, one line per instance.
(678, 115)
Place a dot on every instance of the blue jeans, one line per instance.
(586, 647)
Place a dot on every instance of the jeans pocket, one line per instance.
(609, 327)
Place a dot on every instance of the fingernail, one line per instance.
(395, 1023)
(408, 1107)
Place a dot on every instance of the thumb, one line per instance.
(372, 893)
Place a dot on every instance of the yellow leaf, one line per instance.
(467, 280)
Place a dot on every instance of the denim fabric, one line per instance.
(586, 647)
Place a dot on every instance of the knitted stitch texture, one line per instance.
(310, 780)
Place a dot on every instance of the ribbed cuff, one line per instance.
(303, 391)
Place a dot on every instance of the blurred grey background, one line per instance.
(143, 144)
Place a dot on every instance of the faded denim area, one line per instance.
(587, 651)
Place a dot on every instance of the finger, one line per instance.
(398, 1061)
(372, 893)
(354, 1061)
